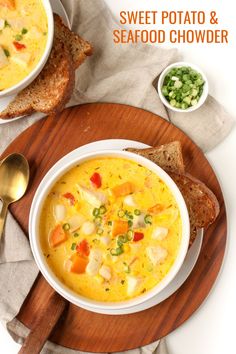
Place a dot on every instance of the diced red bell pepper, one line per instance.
(70, 197)
(83, 248)
(138, 236)
(96, 180)
(19, 46)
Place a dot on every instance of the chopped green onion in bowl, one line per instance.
(183, 87)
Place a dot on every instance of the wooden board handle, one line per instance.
(44, 325)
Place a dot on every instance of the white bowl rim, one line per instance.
(35, 212)
(205, 87)
(38, 68)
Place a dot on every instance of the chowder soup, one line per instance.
(110, 229)
(23, 38)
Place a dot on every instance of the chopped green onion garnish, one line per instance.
(7, 53)
(73, 246)
(121, 213)
(130, 223)
(128, 215)
(66, 227)
(102, 210)
(109, 223)
(130, 234)
(148, 219)
(76, 234)
(122, 239)
(98, 220)
(96, 212)
(18, 37)
(117, 251)
(24, 30)
(137, 212)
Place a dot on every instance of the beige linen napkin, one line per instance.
(121, 74)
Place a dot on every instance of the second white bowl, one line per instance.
(35, 72)
(203, 96)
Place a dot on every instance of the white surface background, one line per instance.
(209, 331)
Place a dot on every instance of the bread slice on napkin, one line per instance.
(202, 204)
(78, 47)
(52, 89)
(167, 156)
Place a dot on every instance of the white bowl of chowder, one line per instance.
(109, 230)
(26, 37)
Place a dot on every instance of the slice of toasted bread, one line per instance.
(78, 47)
(52, 89)
(167, 156)
(202, 204)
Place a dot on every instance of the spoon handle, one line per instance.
(3, 217)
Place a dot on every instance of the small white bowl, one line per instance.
(45, 186)
(203, 96)
(35, 72)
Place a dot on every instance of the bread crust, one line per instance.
(202, 204)
(78, 47)
(168, 156)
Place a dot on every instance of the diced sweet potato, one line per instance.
(57, 236)
(8, 3)
(123, 189)
(156, 209)
(119, 227)
(76, 264)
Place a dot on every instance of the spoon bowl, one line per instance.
(14, 179)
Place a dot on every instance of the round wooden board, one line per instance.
(44, 143)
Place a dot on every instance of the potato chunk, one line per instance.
(21, 59)
(157, 254)
(132, 284)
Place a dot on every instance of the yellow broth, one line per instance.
(23, 38)
(139, 265)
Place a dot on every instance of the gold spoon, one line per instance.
(14, 178)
